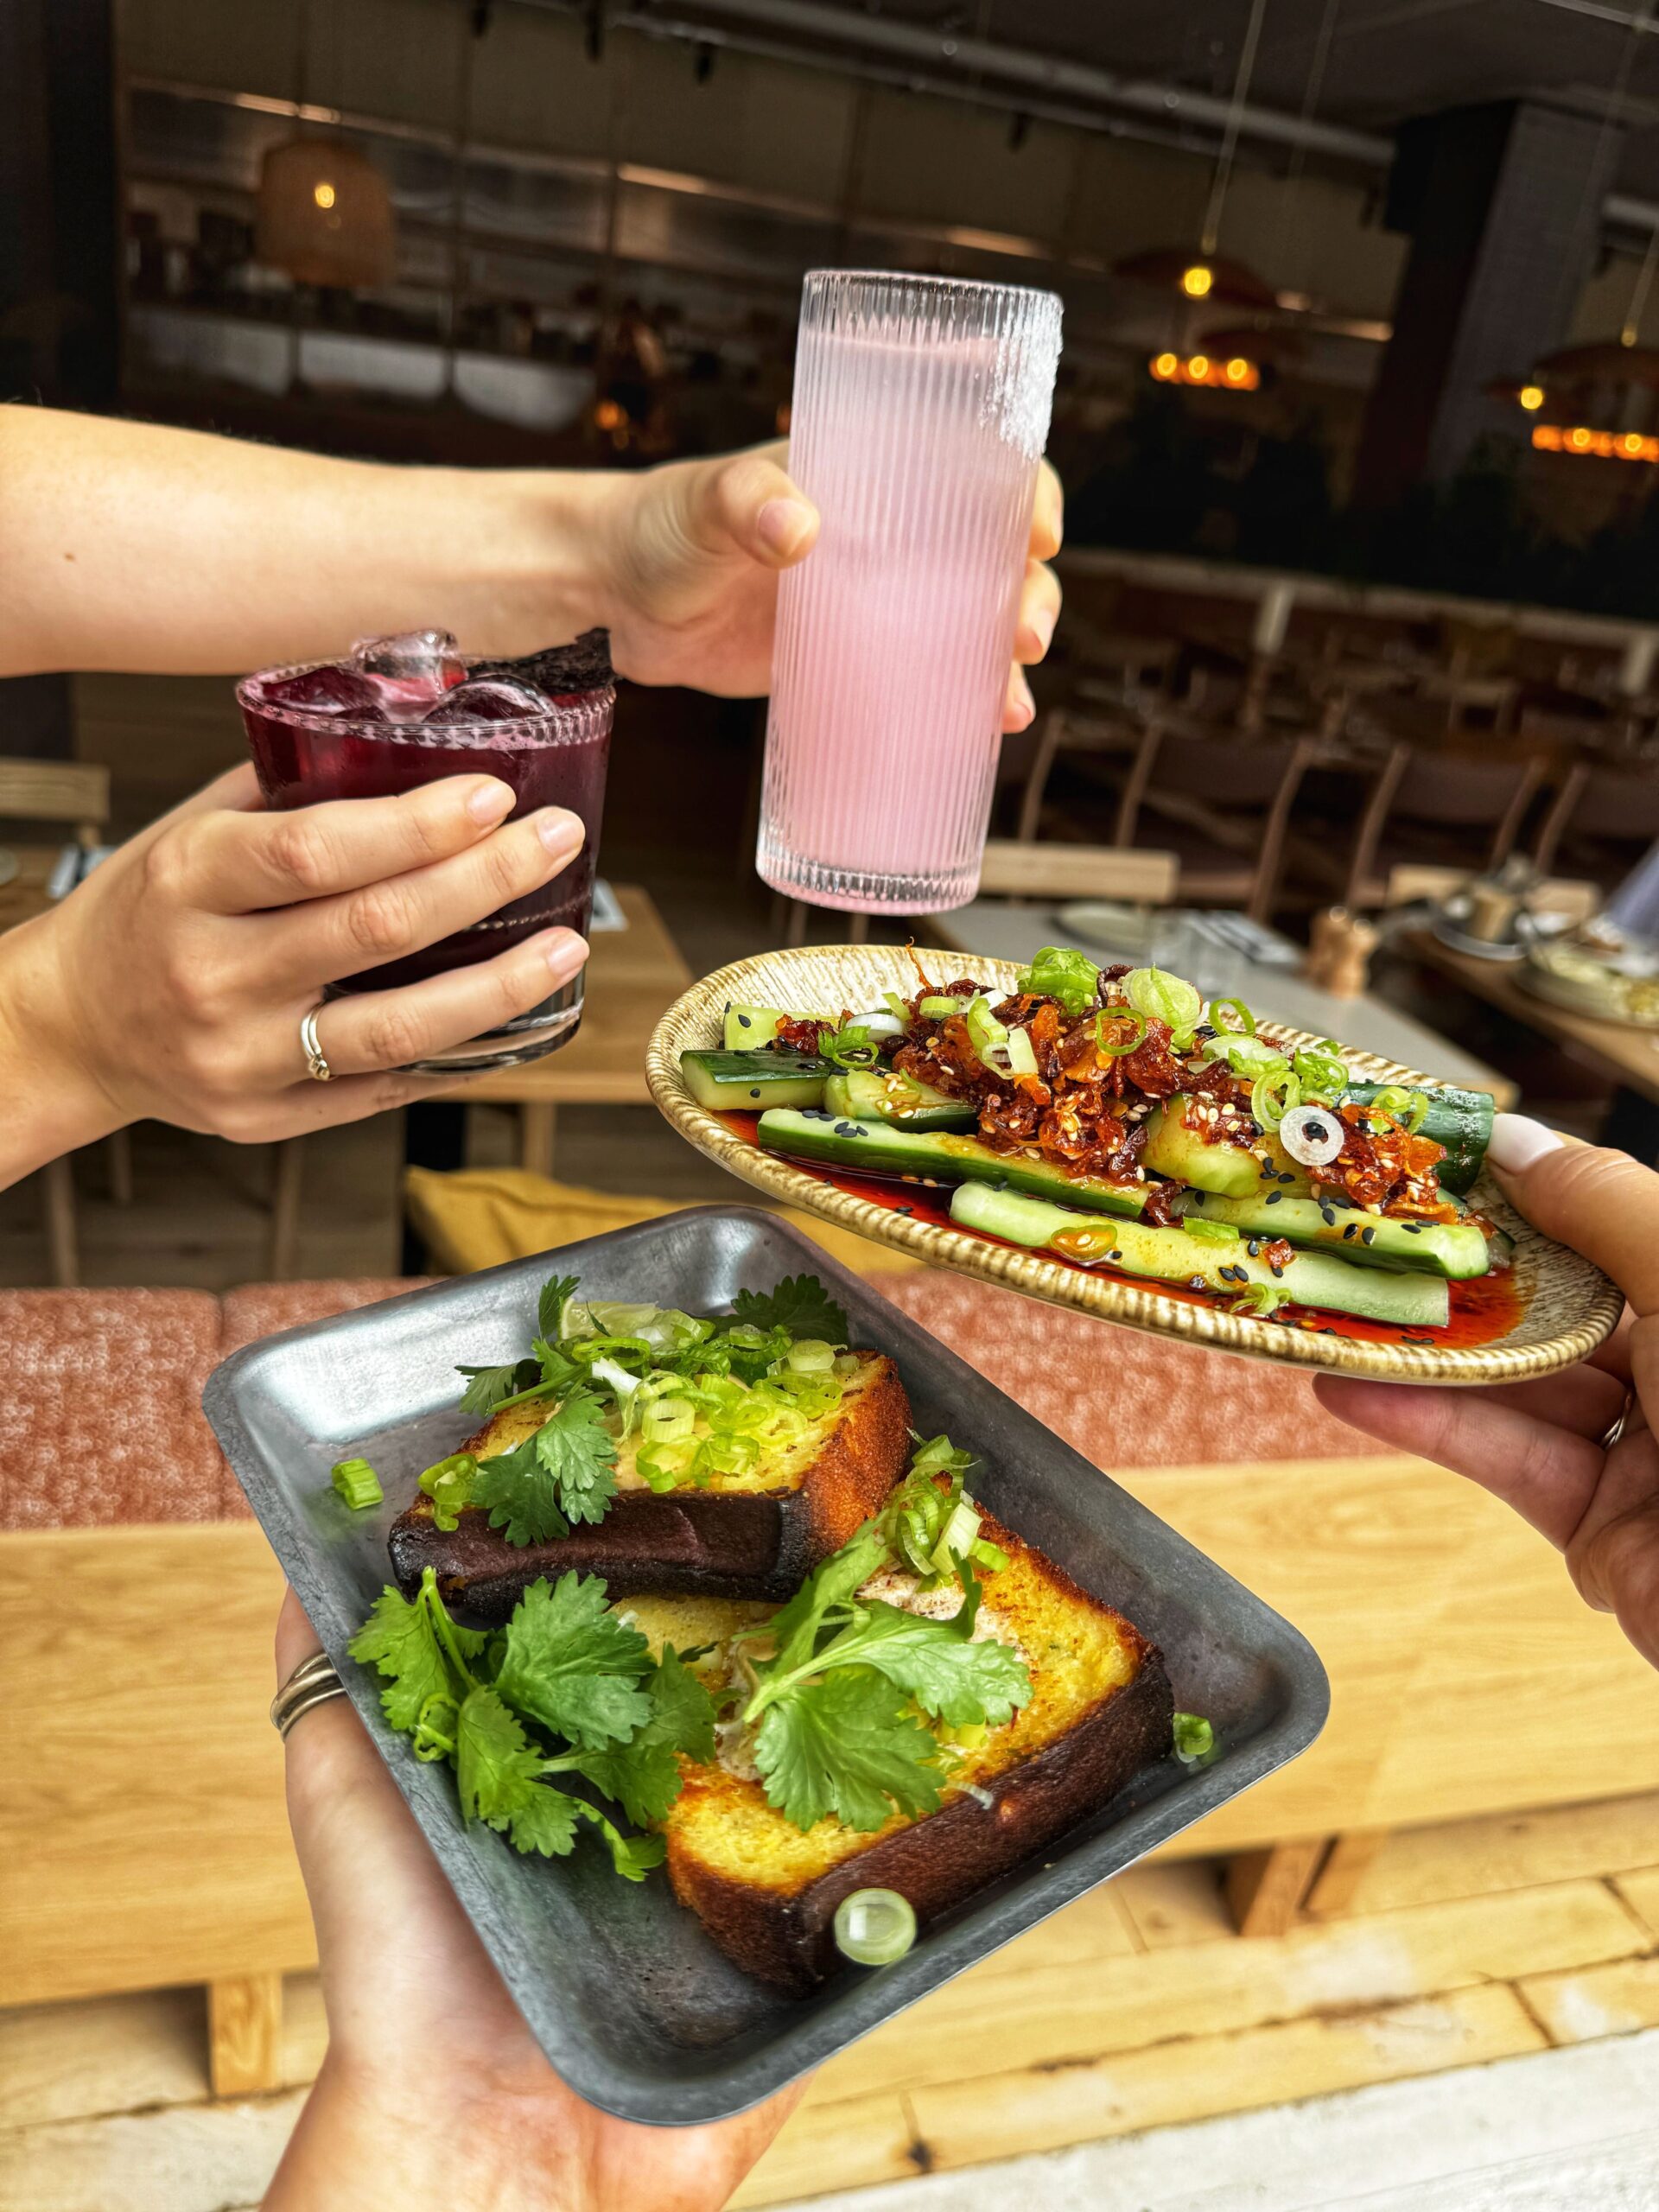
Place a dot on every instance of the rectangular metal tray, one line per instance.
(630, 2000)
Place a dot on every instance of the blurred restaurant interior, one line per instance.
(1352, 709)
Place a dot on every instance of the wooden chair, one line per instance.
(1433, 802)
(1607, 816)
(75, 795)
(1232, 799)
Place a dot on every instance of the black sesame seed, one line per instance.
(1278, 1268)
(1412, 1228)
(1329, 1214)
(743, 1021)
(815, 1113)
(1254, 1247)
(849, 1129)
(755, 1094)
(1367, 1237)
(1352, 1229)
(1274, 1197)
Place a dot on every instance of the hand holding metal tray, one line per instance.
(630, 2000)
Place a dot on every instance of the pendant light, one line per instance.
(323, 212)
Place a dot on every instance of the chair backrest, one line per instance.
(56, 791)
(1054, 871)
(1618, 806)
(1221, 771)
(1462, 791)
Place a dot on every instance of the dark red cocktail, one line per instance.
(403, 711)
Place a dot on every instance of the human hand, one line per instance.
(434, 2090)
(172, 983)
(1549, 1447)
(691, 553)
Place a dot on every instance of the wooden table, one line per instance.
(633, 976)
(1627, 1057)
(1017, 931)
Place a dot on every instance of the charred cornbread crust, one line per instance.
(768, 1894)
(725, 1540)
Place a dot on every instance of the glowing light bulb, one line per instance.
(1532, 398)
(1164, 366)
(1237, 369)
(323, 194)
(1197, 279)
(1578, 440)
(1199, 367)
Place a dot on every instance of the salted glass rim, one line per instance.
(566, 722)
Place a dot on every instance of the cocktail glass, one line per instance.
(920, 411)
(406, 711)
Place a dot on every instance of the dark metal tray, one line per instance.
(631, 2001)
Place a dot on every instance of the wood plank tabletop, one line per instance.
(633, 977)
(1624, 1055)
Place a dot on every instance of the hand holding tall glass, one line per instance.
(921, 412)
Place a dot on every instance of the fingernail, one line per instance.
(1041, 626)
(492, 801)
(782, 525)
(565, 954)
(1024, 705)
(1517, 1142)
(559, 831)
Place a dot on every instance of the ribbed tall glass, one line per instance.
(920, 411)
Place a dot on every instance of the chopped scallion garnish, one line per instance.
(1163, 997)
(357, 1483)
(1243, 1023)
(1210, 1232)
(1195, 1738)
(1069, 977)
(1118, 1030)
(1273, 1095)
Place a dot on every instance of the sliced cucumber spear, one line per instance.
(1456, 1248)
(883, 1095)
(1459, 1120)
(1172, 1255)
(872, 1147)
(750, 1081)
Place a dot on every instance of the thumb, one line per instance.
(1602, 1203)
(749, 502)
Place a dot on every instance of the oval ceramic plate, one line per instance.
(1563, 1307)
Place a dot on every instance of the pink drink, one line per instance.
(372, 727)
(920, 411)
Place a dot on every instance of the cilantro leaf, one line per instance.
(954, 1679)
(551, 1304)
(569, 1663)
(642, 1775)
(565, 1470)
(632, 1856)
(850, 1745)
(546, 1822)
(496, 1764)
(794, 1627)
(488, 1386)
(401, 1638)
(800, 1304)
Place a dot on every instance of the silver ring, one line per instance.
(315, 1065)
(1611, 1436)
(313, 1681)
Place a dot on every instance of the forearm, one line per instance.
(50, 1105)
(129, 546)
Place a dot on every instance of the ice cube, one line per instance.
(488, 699)
(424, 657)
(330, 689)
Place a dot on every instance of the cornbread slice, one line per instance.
(753, 1535)
(1102, 1708)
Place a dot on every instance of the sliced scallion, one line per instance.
(1163, 997)
(1242, 1024)
(940, 1008)
(810, 1355)
(1273, 1096)
(1118, 1030)
(1195, 1738)
(1022, 1053)
(448, 1484)
(1320, 1074)
(1210, 1232)
(357, 1483)
(898, 1007)
(988, 1035)
(873, 1928)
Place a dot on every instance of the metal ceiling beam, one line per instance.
(952, 62)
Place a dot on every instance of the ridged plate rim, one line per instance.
(695, 1021)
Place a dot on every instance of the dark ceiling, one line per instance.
(1367, 64)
